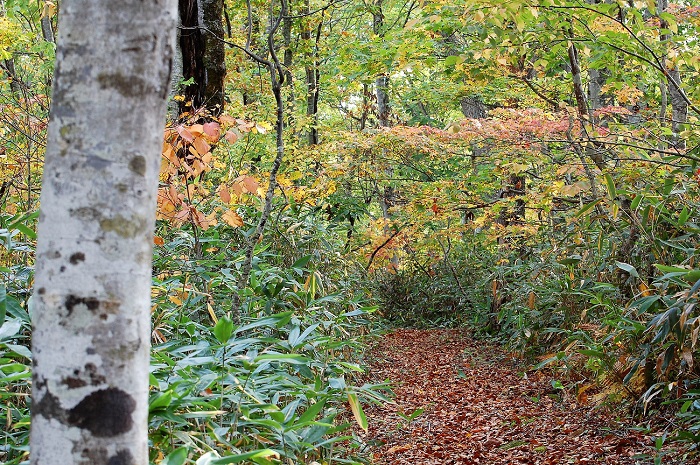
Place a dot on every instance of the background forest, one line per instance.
(528, 169)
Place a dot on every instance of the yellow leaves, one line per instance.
(412, 23)
(49, 10)
(179, 296)
(485, 53)
(517, 168)
(212, 315)
(576, 188)
(644, 289)
(262, 127)
(9, 32)
(453, 128)
(295, 175)
(626, 95)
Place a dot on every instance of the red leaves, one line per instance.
(479, 410)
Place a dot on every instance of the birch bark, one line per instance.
(91, 302)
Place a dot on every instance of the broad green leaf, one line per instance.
(635, 202)
(302, 262)
(278, 320)
(612, 192)
(287, 358)
(10, 329)
(628, 268)
(30, 233)
(572, 260)
(586, 208)
(160, 400)
(451, 60)
(223, 329)
(313, 410)
(176, 457)
(3, 303)
(670, 269)
(20, 350)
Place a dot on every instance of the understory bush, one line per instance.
(269, 389)
(428, 297)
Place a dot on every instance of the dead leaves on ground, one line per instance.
(480, 409)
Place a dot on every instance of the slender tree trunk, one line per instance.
(381, 83)
(473, 107)
(584, 110)
(595, 84)
(366, 98)
(287, 62)
(46, 28)
(176, 77)
(579, 94)
(15, 83)
(679, 106)
(596, 80)
(312, 76)
(287, 38)
(277, 75)
(91, 304)
(674, 91)
(9, 64)
(383, 110)
(381, 88)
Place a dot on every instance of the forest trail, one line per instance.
(479, 408)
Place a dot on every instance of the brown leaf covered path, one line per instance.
(479, 408)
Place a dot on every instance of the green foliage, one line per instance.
(271, 388)
(569, 237)
(16, 249)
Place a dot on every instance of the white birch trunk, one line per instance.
(91, 303)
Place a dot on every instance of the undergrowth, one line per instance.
(267, 390)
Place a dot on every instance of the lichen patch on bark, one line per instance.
(138, 165)
(123, 227)
(128, 86)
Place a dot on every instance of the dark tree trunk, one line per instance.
(473, 107)
(312, 77)
(202, 49)
(381, 83)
